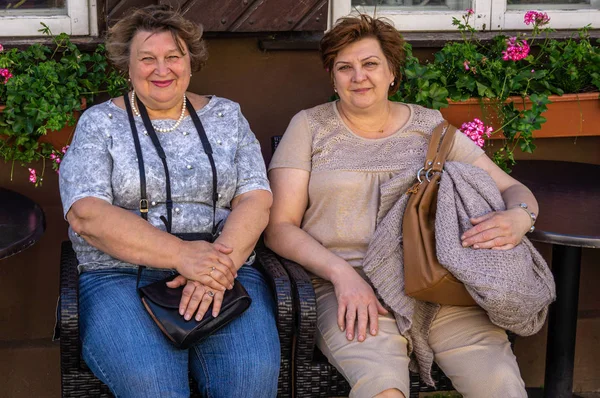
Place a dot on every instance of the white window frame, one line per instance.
(489, 15)
(79, 21)
(559, 19)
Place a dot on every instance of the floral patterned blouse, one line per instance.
(102, 163)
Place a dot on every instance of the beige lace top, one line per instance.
(346, 171)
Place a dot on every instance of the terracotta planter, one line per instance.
(568, 115)
(59, 138)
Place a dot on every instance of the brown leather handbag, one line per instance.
(425, 278)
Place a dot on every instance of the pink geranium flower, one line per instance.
(536, 17)
(475, 130)
(1, 48)
(32, 176)
(516, 49)
(5, 75)
(466, 65)
(470, 11)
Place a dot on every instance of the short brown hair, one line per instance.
(155, 18)
(348, 30)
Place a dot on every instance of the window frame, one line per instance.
(79, 21)
(489, 15)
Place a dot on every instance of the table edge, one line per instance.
(584, 241)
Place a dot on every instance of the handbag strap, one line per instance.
(140, 159)
(447, 140)
(435, 158)
(161, 154)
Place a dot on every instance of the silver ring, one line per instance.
(211, 270)
(211, 293)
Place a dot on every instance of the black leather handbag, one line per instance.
(161, 301)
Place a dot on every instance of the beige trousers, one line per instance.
(472, 352)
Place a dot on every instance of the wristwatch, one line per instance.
(531, 215)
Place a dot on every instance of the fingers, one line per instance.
(179, 280)
(480, 224)
(221, 275)
(485, 239)
(498, 230)
(217, 302)
(207, 299)
(350, 320)
(341, 316)
(374, 318)
(357, 318)
(208, 281)
(224, 259)
(381, 309)
(190, 299)
(201, 259)
(477, 220)
(504, 247)
(363, 319)
(222, 248)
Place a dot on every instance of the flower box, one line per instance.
(58, 138)
(569, 115)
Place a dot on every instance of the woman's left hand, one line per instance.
(498, 230)
(196, 298)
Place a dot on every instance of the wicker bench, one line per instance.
(78, 381)
(314, 376)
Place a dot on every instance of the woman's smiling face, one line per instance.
(361, 74)
(159, 71)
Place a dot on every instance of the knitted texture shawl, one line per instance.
(515, 286)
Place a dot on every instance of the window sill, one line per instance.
(85, 43)
(310, 41)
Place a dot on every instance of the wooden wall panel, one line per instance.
(275, 15)
(316, 19)
(238, 15)
(215, 16)
(115, 9)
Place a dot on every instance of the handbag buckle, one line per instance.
(421, 170)
(143, 205)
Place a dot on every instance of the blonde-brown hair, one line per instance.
(155, 18)
(348, 30)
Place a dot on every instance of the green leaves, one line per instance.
(472, 68)
(47, 86)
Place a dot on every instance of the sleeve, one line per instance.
(249, 163)
(86, 168)
(464, 149)
(295, 148)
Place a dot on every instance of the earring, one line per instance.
(190, 75)
(392, 84)
(335, 89)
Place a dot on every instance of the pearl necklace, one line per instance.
(161, 130)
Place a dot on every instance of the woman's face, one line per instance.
(362, 74)
(159, 72)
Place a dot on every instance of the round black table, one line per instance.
(22, 222)
(569, 198)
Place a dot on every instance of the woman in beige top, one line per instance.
(326, 176)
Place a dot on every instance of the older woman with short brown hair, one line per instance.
(328, 175)
(114, 154)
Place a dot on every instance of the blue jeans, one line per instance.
(126, 350)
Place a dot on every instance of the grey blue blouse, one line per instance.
(102, 163)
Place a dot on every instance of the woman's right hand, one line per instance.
(357, 301)
(207, 263)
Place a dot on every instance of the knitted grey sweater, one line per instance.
(514, 286)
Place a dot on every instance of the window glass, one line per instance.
(416, 5)
(33, 7)
(552, 4)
